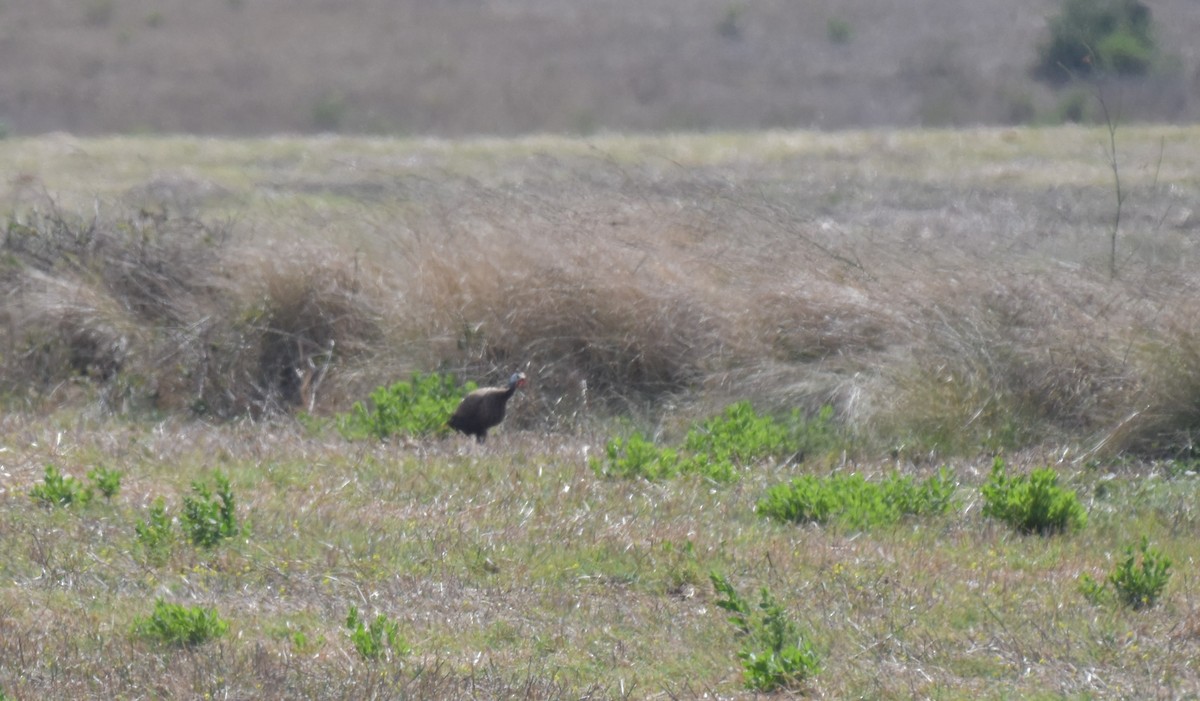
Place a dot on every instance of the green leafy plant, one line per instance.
(1032, 504)
(154, 534)
(717, 447)
(855, 502)
(775, 653)
(418, 407)
(57, 489)
(206, 519)
(636, 456)
(179, 625)
(739, 433)
(1138, 580)
(1090, 36)
(107, 481)
(1091, 589)
(303, 644)
(376, 638)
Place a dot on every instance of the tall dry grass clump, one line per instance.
(616, 298)
(1163, 418)
(313, 309)
(164, 314)
(997, 360)
(83, 291)
(591, 320)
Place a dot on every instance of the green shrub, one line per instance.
(106, 480)
(206, 519)
(636, 457)
(59, 490)
(1098, 35)
(775, 654)
(1125, 53)
(854, 502)
(717, 447)
(373, 640)
(741, 434)
(154, 534)
(419, 407)
(178, 625)
(1140, 585)
(1033, 504)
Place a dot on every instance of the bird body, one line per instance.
(484, 408)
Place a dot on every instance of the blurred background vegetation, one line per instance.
(252, 67)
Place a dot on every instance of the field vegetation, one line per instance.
(453, 69)
(923, 335)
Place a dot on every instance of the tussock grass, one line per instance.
(163, 313)
(1013, 360)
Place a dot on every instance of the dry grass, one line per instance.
(161, 313)
(942, 316)
(946, 315)
(520, 574)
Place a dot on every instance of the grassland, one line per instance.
(411, 67)
(948, 293)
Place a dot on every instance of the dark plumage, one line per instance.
(484, 408)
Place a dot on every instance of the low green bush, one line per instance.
(637, 456)
(1138, 580)
(854, 502)
(376, 638)
(1033, 503)
(717, 447)
(183, 626)
(418, 407)
(775, 653)
(58, 489)
(740, 434)
(154, 535)
(208, 519)
(107, 481)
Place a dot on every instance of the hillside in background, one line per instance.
(250, 67)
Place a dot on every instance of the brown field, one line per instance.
(464, 67)
(172, 302)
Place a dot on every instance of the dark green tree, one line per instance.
(1097, 36)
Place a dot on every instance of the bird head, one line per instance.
(517, 380)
